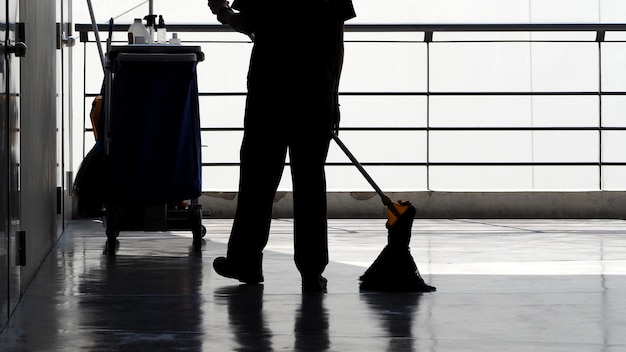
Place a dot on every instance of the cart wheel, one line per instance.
(112, 231)
(198, 230)
(197, 243)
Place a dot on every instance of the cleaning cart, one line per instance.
(152, 140)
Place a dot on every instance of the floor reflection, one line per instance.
(311, 325)
(143, 303)
(246, 317)
(396, 314)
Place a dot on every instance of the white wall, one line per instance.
(454, 67)
(394, 11)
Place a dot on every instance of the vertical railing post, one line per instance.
(600, 34)
(428, 38)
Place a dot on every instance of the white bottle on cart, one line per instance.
(175, 40)
(137, 33)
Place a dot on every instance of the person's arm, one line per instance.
(339, 66)
(340, 51)
(238, 21)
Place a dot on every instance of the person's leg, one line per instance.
(308, 158)
(262, 163)
(262, 157)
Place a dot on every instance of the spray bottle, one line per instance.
(161, 31)
(150, 22)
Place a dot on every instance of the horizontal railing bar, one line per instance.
(468, 128)
(366, 94)
(329, 163)
(473, 41)
(488, 27)
(587, 93)
(513, 93)
(461, 27)
(435, 129)
(398, 41)
(171, 27)
(524, 164)
(221, 94)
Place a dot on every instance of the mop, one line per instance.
(89, 188)
(394, 270)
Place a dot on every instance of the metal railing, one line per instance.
(433, 36)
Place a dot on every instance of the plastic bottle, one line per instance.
(137, 33)
(161, 31)
(175, 40)
(150, 26)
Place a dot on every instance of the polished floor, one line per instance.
(502, 285)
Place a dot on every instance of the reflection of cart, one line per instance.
(152, 140)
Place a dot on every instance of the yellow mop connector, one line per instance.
(395, 211)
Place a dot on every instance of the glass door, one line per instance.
(10, 234)
(4, 174)
(65, 42)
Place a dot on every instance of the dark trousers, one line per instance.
(300, 129)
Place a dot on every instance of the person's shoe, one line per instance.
(316, 283)
(227, 268)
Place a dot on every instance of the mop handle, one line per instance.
(385, 199)
(96, 33)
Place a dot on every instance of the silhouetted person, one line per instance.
(292, 106)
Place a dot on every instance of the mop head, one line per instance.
(395, 270)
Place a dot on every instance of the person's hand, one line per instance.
(217, 5)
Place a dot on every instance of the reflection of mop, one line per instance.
(394, 269)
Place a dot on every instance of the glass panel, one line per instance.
(222, 111)
(388, 178)
(383, 111)
(480, 178)
(613, 108)
(614, 178)
(480, 67)
(514, 146)
(566, 146)
(220, 178)
(384, 67)
(614, 146)
(513, 178)
(566, 178)
(225, 68)
(565, 67)
(613, 68)
(480, 111)
(221, 146)
(552, 11)
(480, 146)
(381, 146)
(563, 36)
(565, 111)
